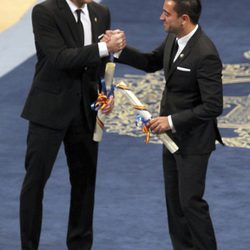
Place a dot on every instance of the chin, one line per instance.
(166, 28)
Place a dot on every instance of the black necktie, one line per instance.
(173, 52)
(80, 26)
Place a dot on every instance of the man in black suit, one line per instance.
(70, 62)
(191, 101)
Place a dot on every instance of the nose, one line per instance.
(162, 17)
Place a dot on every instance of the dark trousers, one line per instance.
(81, 151)
(190, 226)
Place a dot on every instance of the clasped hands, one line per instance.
(115, 40)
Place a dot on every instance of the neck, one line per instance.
(78, 3)
(186, 30)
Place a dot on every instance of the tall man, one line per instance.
(68, 70)
(191, 101)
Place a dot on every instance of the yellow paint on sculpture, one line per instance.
(11, 11)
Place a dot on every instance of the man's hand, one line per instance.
(115, 40)
(109, 107)
(159, 125)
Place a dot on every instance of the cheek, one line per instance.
(168, 21)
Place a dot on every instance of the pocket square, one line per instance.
(183, 69)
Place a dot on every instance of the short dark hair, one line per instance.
(192, 8)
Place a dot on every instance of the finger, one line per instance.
(157, 129)
(107, 110)
(116, 31)
(109, 32)
(153, 122)
(119, 36)
(105, 39)
(111, 103)
(153, 126)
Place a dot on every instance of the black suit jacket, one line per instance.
(65, 69)
(193, 91)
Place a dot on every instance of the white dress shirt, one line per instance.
(182, 42)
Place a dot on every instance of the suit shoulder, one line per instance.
(206, 46)
(99, 7)
(47, 5)
(102, 12)
(208, 43)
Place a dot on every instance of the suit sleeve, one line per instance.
(50, 42)
(149, 62)
(211, 95)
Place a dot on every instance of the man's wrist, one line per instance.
(103, 49)
(117, 54)
(171, 125)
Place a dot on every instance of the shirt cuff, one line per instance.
(117, 54)
(171, 124)
(103, 50)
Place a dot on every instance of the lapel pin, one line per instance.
(96, 19)
(181, 55)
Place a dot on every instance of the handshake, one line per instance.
(115, 40)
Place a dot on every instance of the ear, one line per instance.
(185, 19)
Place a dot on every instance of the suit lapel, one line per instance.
(179, 59)
(184, 54)
(71, 22)
(94, 22)
(67, 14)
(168, 49)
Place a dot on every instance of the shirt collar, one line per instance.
(182, 42)
(73, 7)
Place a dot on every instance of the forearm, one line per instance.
(75, 58)
(148, 62)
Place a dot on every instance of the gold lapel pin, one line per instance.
(96, 19)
